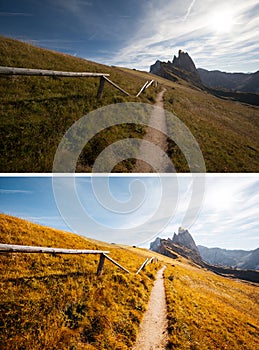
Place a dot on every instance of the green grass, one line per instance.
(37, 111)
(226, 131)
(58, 302)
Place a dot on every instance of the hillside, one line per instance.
(226, 130)
(37, 111)
(58, 302)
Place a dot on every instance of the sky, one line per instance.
(135, 33)
(135, 210)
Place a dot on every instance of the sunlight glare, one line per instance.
(223, 199)
(222, 20)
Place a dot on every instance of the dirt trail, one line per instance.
(153, 329)
(158, 158)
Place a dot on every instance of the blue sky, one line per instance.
(134, 210)
(217, 34)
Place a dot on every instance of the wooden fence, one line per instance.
(11, 248)
(53, 73)
(145, 263)
(145, 86)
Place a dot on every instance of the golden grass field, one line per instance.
(58, 302)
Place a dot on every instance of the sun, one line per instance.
(223, 198)
(222, 20)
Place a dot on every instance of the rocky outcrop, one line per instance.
(185, 239)
(155, 245)
(184, 62)
(181, 66)
(243, 87)
(181, 244)
(156, 67)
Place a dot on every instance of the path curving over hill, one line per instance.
(157, 121)
(153, 333)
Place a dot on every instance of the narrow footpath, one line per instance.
(157, 120)
(153, 333)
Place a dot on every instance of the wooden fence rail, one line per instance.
(46, 73)
(145, 86)
(115, 263)
(10, 248)
(53, 73)
(145, 263)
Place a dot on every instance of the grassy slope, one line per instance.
(227, 131)
(36, 112)
(58, 302)
(206, 311)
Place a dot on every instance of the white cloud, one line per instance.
(15, 14)
(228, 216)
(163, 32)
(189, 10)
(4, 191)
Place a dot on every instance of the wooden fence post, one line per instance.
(101, 87)
(100, 266)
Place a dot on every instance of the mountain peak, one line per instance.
(184, 238)
(181, 66)
(184, 61)
(181, 243)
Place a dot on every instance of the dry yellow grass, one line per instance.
(58, 302)
(206, 311)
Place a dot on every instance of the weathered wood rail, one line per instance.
(145, 86)
(145, 263)
(47, 73)
(54, 73)
(10, 248)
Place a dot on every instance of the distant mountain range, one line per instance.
(230, 81)
(239, 86)
(234, 258)
(233, 263)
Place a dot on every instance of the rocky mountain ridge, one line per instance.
(242, 259)
(243, 82)
(181, 66)
(184, 67)
(181, 244)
